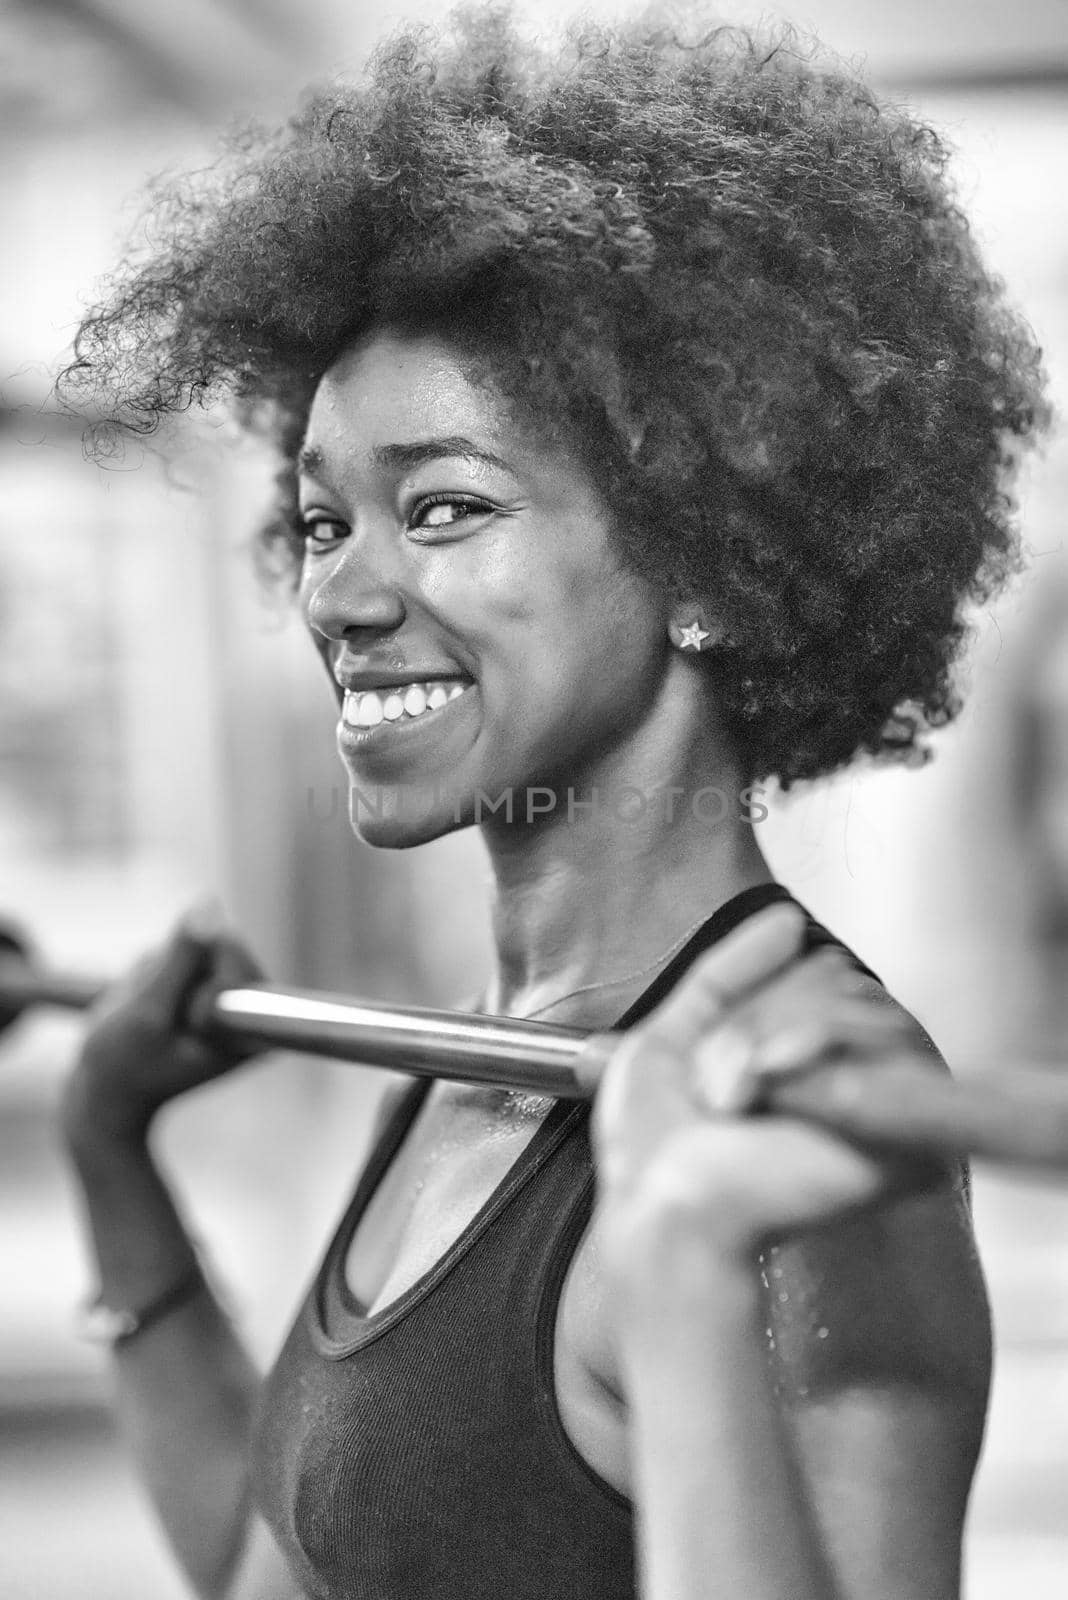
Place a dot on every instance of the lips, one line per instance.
(392, 749)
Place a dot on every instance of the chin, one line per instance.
(397, 826)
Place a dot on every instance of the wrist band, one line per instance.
(103, 1324)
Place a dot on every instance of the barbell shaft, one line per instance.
(503, 1051)
(1018, 1117)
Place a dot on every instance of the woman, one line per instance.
(644, 418)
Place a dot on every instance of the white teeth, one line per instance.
(367, 708)
(369, 714)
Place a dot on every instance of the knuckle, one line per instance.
(614, 1101)
(829, 970)
(620, 1067)
(795, 1044)
(707, 967)
(670, 1203)
(701, 982)
(609, 1111)
(723, 1077)
(693, 1174)
(654, 1041)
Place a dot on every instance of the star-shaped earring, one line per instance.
(692, 636)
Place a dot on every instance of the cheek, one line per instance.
(579, 640)
(499, 583)
(554, 586)
(494, 607)
(605, 619)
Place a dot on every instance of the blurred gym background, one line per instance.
(165, 733)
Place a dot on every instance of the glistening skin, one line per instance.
(448, 548)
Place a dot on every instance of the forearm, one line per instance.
(185, 1385)
(722, 1510)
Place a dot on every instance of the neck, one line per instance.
(596, 895)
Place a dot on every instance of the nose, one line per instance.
(352, 596)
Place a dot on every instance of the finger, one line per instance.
(170, 975)
(645, 1091)
(737, 1063)
(165, 984)
(723, 1081)
(232, 966)
(827, 973)
(205, 920)
(149, 984)
(744, 1186)
(763, 945)
(792, 1036)
(798, 1044)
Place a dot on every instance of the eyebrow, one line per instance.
(407, 456)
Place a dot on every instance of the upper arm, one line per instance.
(880, 1347)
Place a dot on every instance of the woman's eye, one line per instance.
(446, 510)
(322, 530)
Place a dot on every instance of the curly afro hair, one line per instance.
(740, 282)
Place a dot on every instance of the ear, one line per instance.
(691, 629)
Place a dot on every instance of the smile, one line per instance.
(368, 707)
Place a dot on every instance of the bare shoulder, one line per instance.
(879, 1343)
(895, 1296)
(880, 1349)
(900, 1287)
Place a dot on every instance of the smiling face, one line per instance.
(447, 547)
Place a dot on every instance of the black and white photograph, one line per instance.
(534, 800)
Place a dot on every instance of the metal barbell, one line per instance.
(1019, 1118)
